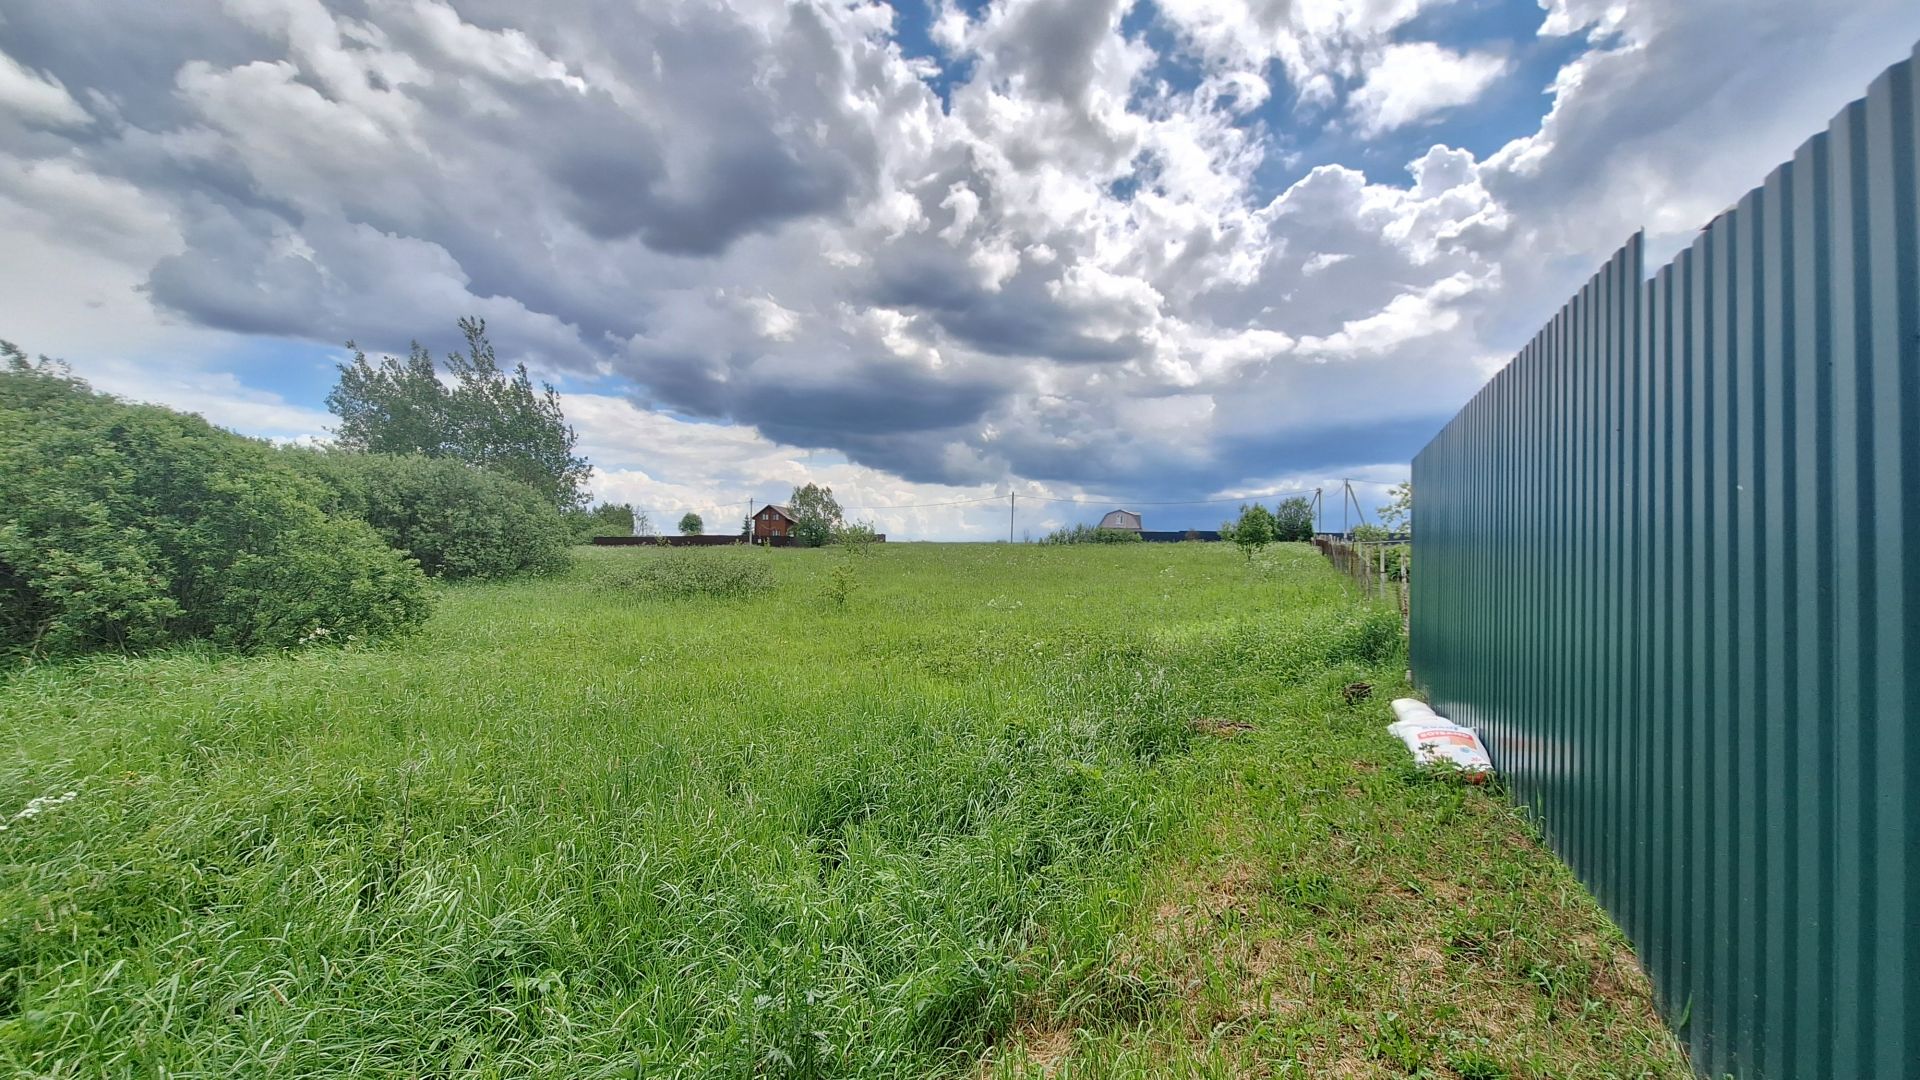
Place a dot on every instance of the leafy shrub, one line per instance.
(683, 573)
(855, 537)
(606, 519)
(1397, 513)
(1091, 534)
(1398, 556)
(457, 520)
(1252, 532)
(840, 583)
(1293, 520)
(126, 527)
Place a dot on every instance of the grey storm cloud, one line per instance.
(1016, 319)
(740, 155)
(762, 213)
(806, 408)
(1055, 48)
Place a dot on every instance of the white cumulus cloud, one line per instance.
(1411, 82)
(1130, 247)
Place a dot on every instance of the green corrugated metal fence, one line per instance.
(1666, 565)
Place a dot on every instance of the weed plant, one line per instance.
(683, 574)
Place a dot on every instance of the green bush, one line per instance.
(855, 537)
(459, 521)
(1252, 532)
(1398, 556)
(680, 574)
(126, 527)
(1091, 534)
(840, 583)
(606, 519)
(1293, 520)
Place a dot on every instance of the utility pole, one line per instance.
(1009, 516)
(1350, 499)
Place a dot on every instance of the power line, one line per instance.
(846, 509)
(1080, 500)
(1176, 502)
(922, 506)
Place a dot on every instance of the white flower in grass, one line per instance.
(36, 807)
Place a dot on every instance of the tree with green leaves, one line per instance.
(1252, 532)
(1293, 520)
(604, 519)
(855, 537)
(816, 514)
(690, 524)
(489, 417)
(1397, 514)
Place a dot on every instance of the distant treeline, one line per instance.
(1091, 534)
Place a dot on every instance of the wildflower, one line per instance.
(37, 806)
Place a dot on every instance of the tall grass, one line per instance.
(582, 829)
(682, 574)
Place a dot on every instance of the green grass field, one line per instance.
(1011, 810)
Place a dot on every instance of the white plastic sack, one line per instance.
(1431, 737)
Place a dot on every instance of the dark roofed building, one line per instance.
(773, 520)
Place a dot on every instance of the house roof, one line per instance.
(1120, 519)
(783, 511)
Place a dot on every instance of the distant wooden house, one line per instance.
(770, 521)
(1121, 521)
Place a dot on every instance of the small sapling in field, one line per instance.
(855, 537)
(840, 584)
(1252, 532)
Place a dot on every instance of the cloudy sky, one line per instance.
(926, 252)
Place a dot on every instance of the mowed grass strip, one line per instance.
(1326, 910)
(1088, 810)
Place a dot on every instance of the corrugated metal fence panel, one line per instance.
(1665, 566)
